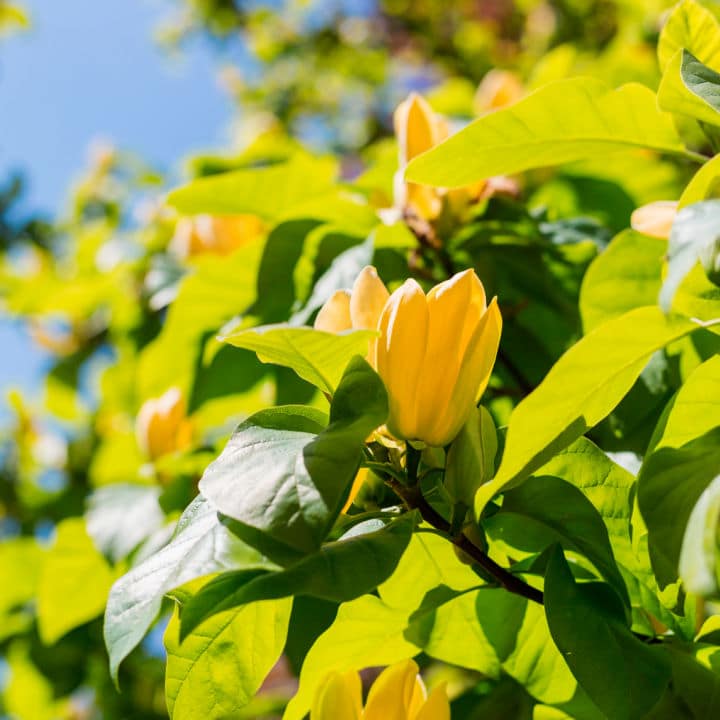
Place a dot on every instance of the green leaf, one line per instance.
(119, 517)
(698, 563)
(284, 479)
(693, 27)
(611, 488)
(695, 409)
(586, 383)
(696, 684)
(695, 237)
(339, 571)
(74, 582)
(366, 633)
(670, 484)
(690, 88)
(316, 356)
(627, 275)
(216, 671)
(705, 184)
(532, 133)
(546, 510)
(621, 674)
(201, 546)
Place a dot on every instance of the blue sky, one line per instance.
(91, 69)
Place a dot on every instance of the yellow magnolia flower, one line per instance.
(162, 426)
(435, 355)
(215, 234)
(417, 129)
(398, 694)
(655, 219)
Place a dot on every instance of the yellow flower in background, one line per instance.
(162, 425)
(498, 89)
(215, 234)
(398, 694)
(417, 129)
(655, 219)
(435, 355)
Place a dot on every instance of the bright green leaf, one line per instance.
(586, 383)
(214, 672)
(693, 27)
(74, 582)
(532, 133)
(627, 275)
(690, 88)
(316, 356)
(623, 676)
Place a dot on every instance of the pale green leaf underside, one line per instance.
(563, 122)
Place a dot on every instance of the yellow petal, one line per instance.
(159, 423)
(338, 698)
(360, 478)
(655, 219)
(400, 355)
(473, 376)
(392, 694)
(367, 299)
(230, 232)
(448, 306)
(334, 315)
(416, 127)
(436, 707)
(497, 89)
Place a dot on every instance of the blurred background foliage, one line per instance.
(124, 296)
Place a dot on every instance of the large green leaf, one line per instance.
(339, 571)
(366, 633)
(216, 671)
(562, 122)
(283, 478)
(695, 237)
(546, 510)
(704, 185)
(693, 27)
(611, 488)
(586, 383)
(74, 582)
(316, 356)
(696, 684)
(698, 562)
(690, 88)
(623, 676)
(120, 516)
(670, 484)
(627, 275)
(201, 546)
(695, 409)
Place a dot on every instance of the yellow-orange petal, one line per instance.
(473, 376)
(339, 697)
(416, 127)
(367, 299)
(159, 423)
(497, 89)
(334, 315)
(400, 355)
(448, 305)
(436, 707)
(655, 219)
(358, 482)
(395, 692)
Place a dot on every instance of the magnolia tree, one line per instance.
(437, 437)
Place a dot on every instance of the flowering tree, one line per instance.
(432, 433)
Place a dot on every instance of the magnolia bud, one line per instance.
(471, 458)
